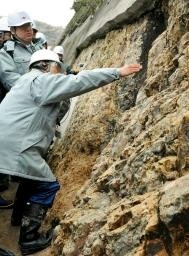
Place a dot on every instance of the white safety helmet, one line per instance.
(59, 49)
(44, 54)
(42, 37)
(17, 19)
(4, 24)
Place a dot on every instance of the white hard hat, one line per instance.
(4, 24)
(42, 37)
(59, 49)
(17, 19)
(44, 54)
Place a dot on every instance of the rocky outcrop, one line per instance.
(112, 15)
(123, 163)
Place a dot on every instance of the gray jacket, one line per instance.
(28, 117)
(14, 61)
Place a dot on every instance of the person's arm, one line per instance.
(8, 71)
(54, 88)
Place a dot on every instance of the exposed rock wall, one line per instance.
(123, 163)
(113, 14)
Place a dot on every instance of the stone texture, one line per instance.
(123, 162)
(175, 200)
(111, 15)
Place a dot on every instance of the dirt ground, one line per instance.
(8, 234)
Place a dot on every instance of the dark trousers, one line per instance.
(36, 192)
(39, 192)
(4, 182)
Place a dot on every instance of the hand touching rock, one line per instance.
(129, 69)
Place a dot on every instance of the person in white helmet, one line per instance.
(42, 39)
(5, 33)
(66, 68)
(60, 51)
(65, 105)
(16, 52)
(27, 125)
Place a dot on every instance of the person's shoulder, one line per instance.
(8, 48)
(37, 44)
(9, 45)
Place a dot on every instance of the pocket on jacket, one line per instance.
(22, 64)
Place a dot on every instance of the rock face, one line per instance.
(113, 14)
(124, 161)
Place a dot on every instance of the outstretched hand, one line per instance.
(129, 69)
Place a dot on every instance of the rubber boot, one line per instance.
(20, 200)
(31, 240)
(4, 252)
(4, 182)
(5, 204)
(17, 213)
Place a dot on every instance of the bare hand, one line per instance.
(129, 69)
(54, 68)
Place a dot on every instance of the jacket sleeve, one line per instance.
(8, 71)
(48, 88)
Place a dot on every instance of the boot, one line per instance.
(18, 208)
(31, 240)
(4, 182)
(17, 212)
(5, 204)
(21, 197)
(4, 252)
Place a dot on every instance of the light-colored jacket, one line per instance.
(28, 117)
(14, 61)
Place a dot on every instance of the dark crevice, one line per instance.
(129, 88)
(112, 25)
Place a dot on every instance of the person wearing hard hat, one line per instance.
(65, 105)
(42, 39)
(14, 61)
(16, 52)
(5, 34)
(27, 125)
(60, 51)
